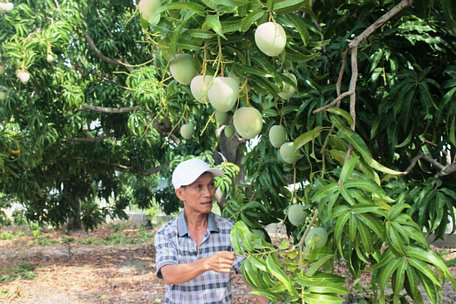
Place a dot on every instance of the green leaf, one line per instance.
(388, 271)
(200, 34)
(346, 195)
(240, 237)
(255, 276)
(374, 224)
(328, 287)
(287, 5)
(431, 289)
(360, 146)
(366, 238)
(425, 270)
(339, 228)
(396, 210)
(321, 299)
(317, 265)
(299, 26)
(188, 6)
(250, 19)
(276, 271)
(307, 137)
(399, 279)
(411, 283)
(394, 238)
(326, 191)
(342, 113)
(215, 25)
(431, 258)
(348, 168)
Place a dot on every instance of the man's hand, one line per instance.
(220, 262)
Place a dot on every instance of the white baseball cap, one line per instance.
(188, 171)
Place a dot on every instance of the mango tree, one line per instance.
(81, 118)
(351, 103)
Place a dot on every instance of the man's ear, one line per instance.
(180, 193)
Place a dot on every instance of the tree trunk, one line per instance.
(74, 221)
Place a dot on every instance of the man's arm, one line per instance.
(180, 273)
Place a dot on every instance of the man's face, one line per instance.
(198, 195)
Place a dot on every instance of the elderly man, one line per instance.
(194, 255)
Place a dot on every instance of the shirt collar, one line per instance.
(182, 224)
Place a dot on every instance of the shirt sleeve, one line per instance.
(165, 251)
(238, 262)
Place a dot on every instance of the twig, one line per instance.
(147, 172)
(442, 169)
(110, 110)
(352, 88)
(89, 139)
(334, 102)
(353, 47)
(104, 58)
(306, 232)
(380, 21)
(341, 72)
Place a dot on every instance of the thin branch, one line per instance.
(89, 139)
(334, 102)
(353, 46)
(110, 110)
(147, 172)
(442, 169)
(312, 222)
(352, 88)
(165, 128)
(413, 163)
(341, 72)
(124, 168)
(104, 58)
(380, 21)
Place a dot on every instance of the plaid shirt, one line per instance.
(174, 245)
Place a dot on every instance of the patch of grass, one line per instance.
(43, 240)
(451, 262)
(118, 226)
(6, 236)
(23, 271)
(116, 239)
(91, 241)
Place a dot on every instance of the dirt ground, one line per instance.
(74, 272)
(86, 274)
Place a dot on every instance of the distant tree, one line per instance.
(88, 124)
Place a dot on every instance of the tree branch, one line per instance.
(147, 172)
(89, 139)
(104, 58)
(110, 110)
(123, 168)
(341, 72)
(442, 169)
(333, 103)
(164, 129)
(380, 21)
(353, 46)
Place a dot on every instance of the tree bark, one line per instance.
(74, 221)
